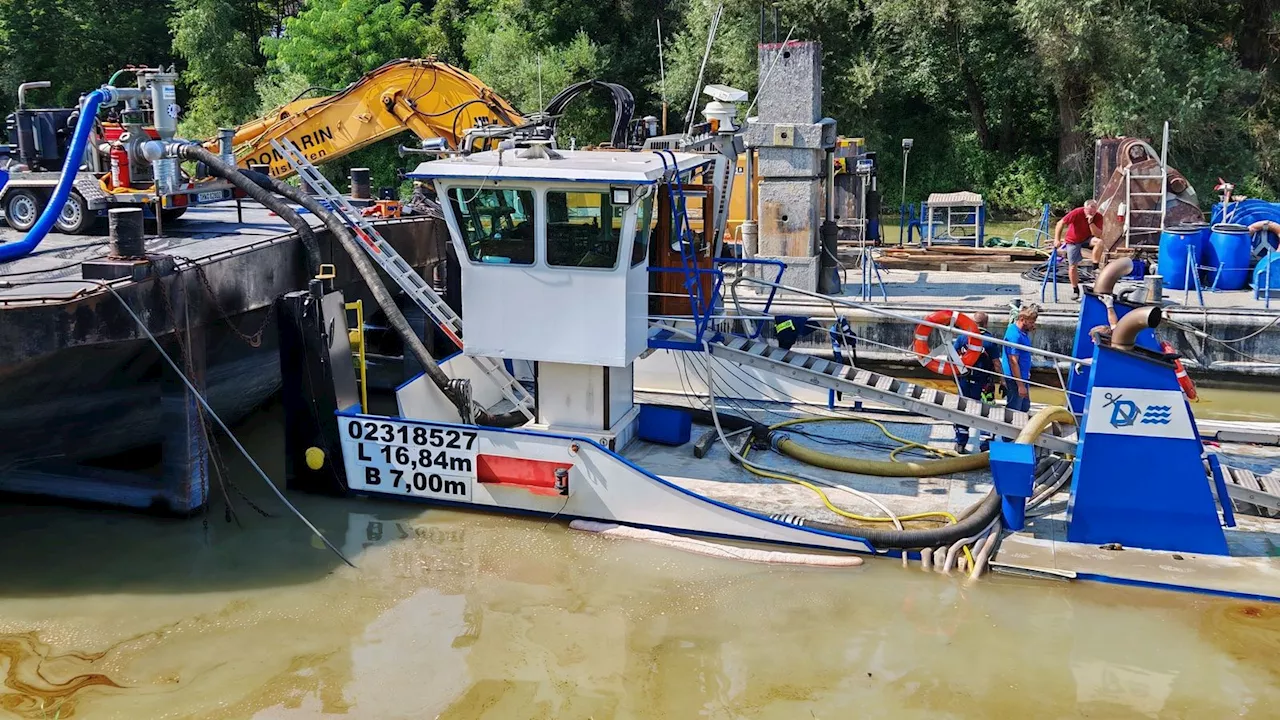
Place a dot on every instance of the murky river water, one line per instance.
(460, 615)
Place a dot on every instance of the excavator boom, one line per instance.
(428, 97)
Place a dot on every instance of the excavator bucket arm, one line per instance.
(428, 97)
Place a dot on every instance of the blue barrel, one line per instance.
(1204, 229)
(1270, 280)
(1231, 249)
(1172, 262)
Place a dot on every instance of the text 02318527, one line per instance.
(413, 459)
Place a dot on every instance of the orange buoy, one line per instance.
(943, 364)
(1184, 381)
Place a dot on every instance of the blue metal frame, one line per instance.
(1050, 271)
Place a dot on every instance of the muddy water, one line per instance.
(1212, 403)
(460, 616)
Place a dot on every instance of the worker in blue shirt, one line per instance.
(978, 383)
(1017, 363)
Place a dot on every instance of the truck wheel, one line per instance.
(170, 214)
(22, 208)
(76, 217)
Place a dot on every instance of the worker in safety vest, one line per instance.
(1083, 228)
(979, 383)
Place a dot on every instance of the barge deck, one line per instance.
(79, 381)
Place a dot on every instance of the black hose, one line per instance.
(983, 512)
(369, 272)
(260, 187)
(230, 173)
(969, 523)
(1037, 273)
(624, 105)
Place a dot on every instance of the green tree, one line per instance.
(223, 62)
(510, 60)
(77, 44)
(334, 42)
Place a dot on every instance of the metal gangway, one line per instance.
(449, 322)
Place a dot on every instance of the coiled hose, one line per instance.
(865, 466)
(970, 523)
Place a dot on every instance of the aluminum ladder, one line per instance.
(402, 273)
(1246, 486)
(948, 407)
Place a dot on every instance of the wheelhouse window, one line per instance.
(584, 229)
(644, 228)
(497, 224)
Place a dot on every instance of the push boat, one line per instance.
(573, 394)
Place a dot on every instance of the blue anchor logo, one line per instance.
(1124, 413)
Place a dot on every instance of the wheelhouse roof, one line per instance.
(599, 166)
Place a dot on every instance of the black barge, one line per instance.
(79, 381)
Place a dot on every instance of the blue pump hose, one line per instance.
(71, 166)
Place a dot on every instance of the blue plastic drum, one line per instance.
(1227, 257)
(1267, 274)
(1204, 229)
(1173, 259)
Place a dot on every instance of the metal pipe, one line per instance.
(749, 194)
(24, 87)
(1111, 274)
(1126, 331)
(831, 185)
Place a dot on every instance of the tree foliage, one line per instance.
(334, 42)
(1005, 97)
(223, 62)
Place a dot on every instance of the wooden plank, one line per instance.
(967, 265)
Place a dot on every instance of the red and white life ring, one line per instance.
(1184, 381)
(942, 363)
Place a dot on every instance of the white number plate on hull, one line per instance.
(396, 458)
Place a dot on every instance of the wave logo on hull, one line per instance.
(1157, 415)
(1139, 413)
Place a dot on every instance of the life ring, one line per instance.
(1184, 381)
(942, 363)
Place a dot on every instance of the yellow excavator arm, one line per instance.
(428, 97)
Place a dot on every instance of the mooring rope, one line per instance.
(223, 426)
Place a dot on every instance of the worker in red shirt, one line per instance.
(1083, 226)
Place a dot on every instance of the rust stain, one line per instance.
(40, 685)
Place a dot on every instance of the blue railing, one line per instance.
(701, 309)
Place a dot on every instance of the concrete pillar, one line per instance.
(791, 82)
(791, 141)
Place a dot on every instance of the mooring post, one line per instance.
(185, 463)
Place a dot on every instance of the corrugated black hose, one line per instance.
(260, 186)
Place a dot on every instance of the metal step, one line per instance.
(1245, 486)
(402, 273)
(884, 389)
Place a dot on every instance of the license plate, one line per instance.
(409, 459)
(211, 196)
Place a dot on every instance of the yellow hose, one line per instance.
(880, 468)
(1035, 426)
(906, 444)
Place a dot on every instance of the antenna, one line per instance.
(706, 55)
(540, 81)
(662, 77)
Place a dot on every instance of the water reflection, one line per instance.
(456, 615)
